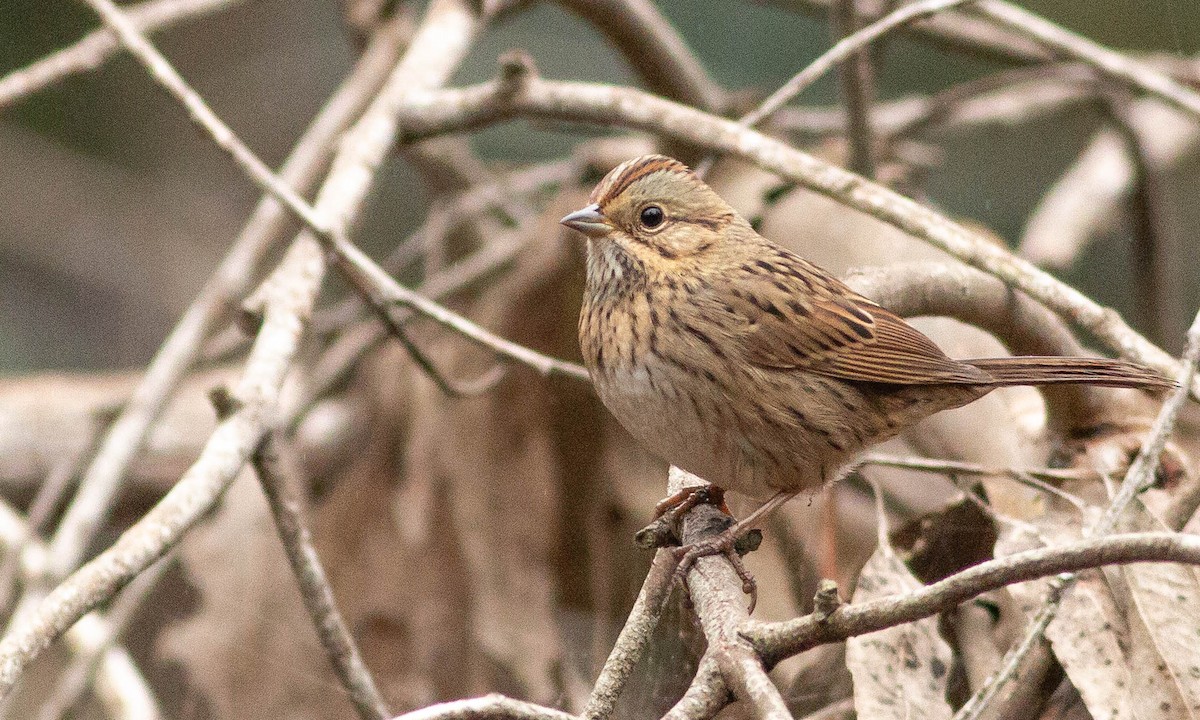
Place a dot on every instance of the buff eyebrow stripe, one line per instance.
(640, 170)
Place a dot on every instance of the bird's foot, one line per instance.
(672, 507)
(732, 543)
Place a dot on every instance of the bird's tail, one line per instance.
(1050, 370)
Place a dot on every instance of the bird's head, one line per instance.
(651, 214)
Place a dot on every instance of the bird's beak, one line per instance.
(589, 221)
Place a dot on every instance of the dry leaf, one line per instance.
(900, 672)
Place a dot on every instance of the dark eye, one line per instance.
(652, 216)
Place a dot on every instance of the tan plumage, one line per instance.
(745, 364)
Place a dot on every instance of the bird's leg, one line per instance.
(725, 543)
(675, 505)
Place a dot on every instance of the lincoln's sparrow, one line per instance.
(739, 361)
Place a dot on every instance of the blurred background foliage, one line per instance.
(115, 209)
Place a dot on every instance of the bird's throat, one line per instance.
(611, 271)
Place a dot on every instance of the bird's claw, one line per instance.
(728, 544)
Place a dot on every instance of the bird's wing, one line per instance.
(793, 315)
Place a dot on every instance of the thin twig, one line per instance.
(379, 288)
(1113, 64)
(776, 641)
(519, 93)
(94, 49)
(232, 278)
(953, 32)
(437, 48)
(843, 50)
(949, 467)
(1138, 477)
(338, 360)
(856, 81)
(634, 636)
(488, 707)
(1031, 477)
(273, 474)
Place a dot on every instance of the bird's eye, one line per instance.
(652, 216)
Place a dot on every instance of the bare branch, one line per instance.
(1113, 64)
(228, 283)
(635, 634)
(488, 707)
(94, 49)
(655, 50)
(286, 303)
(280, 489)
(783, 639)
(97, 659)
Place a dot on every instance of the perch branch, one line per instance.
(716, 591)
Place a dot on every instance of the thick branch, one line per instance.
(519, 93)
(229, 282)
(286, 302)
